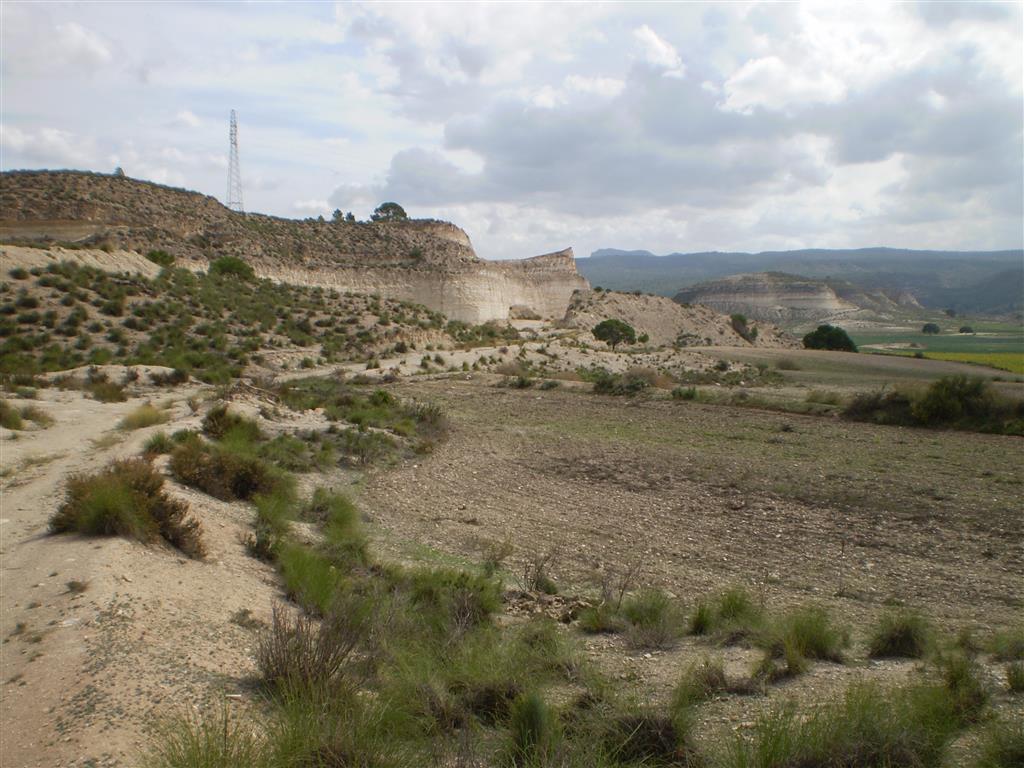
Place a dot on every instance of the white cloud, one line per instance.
(312, 206)
(186, 119)
(770, 83)
(81, 44)
(606, 87)
(49, 147)
(659, 53)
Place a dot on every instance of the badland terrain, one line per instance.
(329, 493)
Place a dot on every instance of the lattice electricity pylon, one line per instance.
(234, 201)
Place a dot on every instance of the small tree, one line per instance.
(966, 329)
(337, 215)
(829, 337)
(119, 171)
(389, 212)
(930, 328)
(613, 332)
(350, 218)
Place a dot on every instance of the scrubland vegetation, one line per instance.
(376, 663)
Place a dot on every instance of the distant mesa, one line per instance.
(769, 297)
(424, 261)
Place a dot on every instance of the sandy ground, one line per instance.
(85, 675)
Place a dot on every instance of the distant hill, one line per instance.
(968, 281)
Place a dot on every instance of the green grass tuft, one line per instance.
(901, 634)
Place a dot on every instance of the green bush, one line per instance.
(231, 266)
(1002, 745)
(10, 417)
(158, 444)
(217, 741)
(601, 618)
(684, 393)
(698, 683)
(829, 337)
(901, 634)
(1008, 644)
(161, 258)
(310, 577)
(219, 421)
(126, 499)
(869, 727)
(222, 474)
(1015, 677)
(533, 731)
(654, 621)
(808, 631)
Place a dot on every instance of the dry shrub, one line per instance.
(301, 654)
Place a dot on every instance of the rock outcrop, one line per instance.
(769, 297)
(666, 322)
(424, 261)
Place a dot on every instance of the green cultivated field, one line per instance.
(997, 345)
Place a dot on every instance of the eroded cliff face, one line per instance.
(768, 296)
(475, 293)
(427, 262)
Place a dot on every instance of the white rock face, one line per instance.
(473, 292)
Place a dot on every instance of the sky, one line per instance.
(535, 127)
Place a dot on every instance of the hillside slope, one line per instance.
(666, 322)
(427, 262)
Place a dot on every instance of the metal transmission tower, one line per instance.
(234, 201)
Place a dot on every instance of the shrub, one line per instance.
(222, 474)
(18, 273)
(684, 393)
(310, 577)
(344, 541)
(207, 742)
(532, 730)
(10, 417)
(632, 382)
(899, 728)
(654, 620)
(829, 337)
(645, 738)
(158, 444)
(740, 325)
(698, 683)
(601, 618)
(161, 258)
(1015, 677)
(219, 421)
(231, 266)
(107, 392)
(901, 634)
(144, 416)
(172, 378)
(126, 499)
(1002, 746)
(301, 655)
(808, 631)
(930, 328)
(1008, 644)
(961, 677)
(787, 364)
